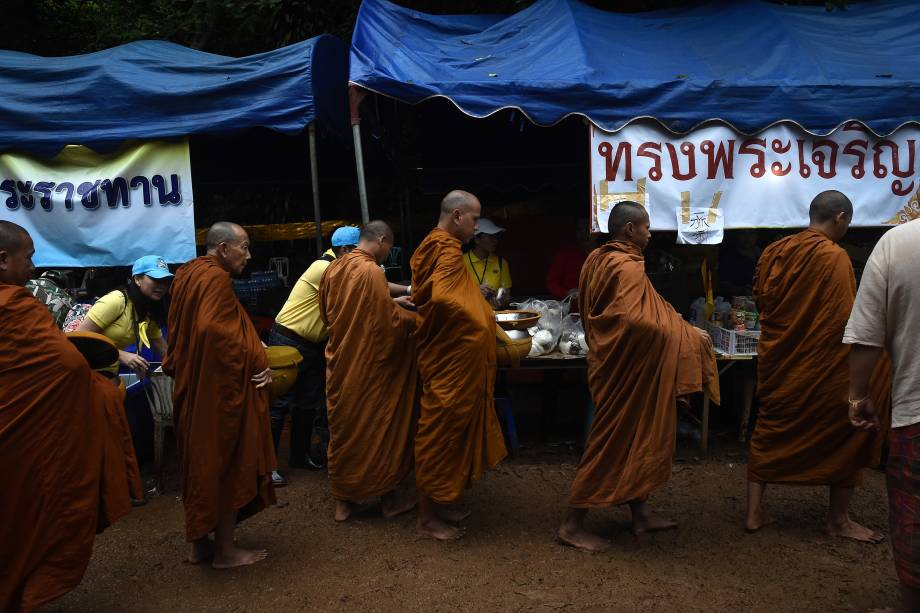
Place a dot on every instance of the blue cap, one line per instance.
(346, 236)
(151, 265)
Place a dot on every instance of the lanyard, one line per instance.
(485, 266)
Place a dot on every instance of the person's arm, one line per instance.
(862, 364)
(159, 346)
(397, 290)
(866, 332)
(88, 325)
(106, 311)
(505, 283)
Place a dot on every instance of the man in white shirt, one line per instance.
(886, 316)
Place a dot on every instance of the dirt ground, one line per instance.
(509, 560)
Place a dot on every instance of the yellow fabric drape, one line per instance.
(280, 231)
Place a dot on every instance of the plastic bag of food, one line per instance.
(537, 306)
(556, 309)
(567, 303)
(572, 338)
(546, 333)
(525, 305)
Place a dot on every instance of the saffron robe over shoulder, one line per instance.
(642, 356)
(459, 437)
(370, 379)
(804, 288)
(223, 431)
(68, 465)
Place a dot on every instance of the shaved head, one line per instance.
(831, 213)
(229, 243)
(623, 213)
(16, 250)
(460, 211)
(224, 232)
(458, 200)
(376, 229)
(377, 240)
(828, 204)
(12, 236)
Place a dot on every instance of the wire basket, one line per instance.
(733, 342)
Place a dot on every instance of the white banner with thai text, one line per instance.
(762, 181)
(85, 209)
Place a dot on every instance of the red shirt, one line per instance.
(564, 271)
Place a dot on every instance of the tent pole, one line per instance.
(359, 163)
(355, 96)
(314, 180)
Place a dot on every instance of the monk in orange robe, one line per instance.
(67, 473)
(804, 288)
(459, 437)
(370, 378)
(223, 429)
(642, 359)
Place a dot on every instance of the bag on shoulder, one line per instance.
(75, 316)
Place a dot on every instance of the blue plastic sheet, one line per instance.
(156, 89)
(747, 62)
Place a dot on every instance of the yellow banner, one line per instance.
(280, 231)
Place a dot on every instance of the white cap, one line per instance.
(485, 226)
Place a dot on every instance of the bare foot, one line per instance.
(755, 521)
(202, 550)
(857, 532)
(582, 540)
(237, 556)
(752, 527)
(438, 530)
(391, 506)
(344, 509)
(453, 515)
(651, 523)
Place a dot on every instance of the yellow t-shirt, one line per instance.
(300, 313)
(493, 271)
(115, 315)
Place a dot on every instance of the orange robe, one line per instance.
(459, 437)
(67, 471)
(370, 379)
(642, 356)
(804, 288)
(222, 425)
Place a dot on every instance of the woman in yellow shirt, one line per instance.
(491, 271)
(134, 314)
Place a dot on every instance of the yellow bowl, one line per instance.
(283, 361)
(99, 351)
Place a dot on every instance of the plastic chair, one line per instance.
(393, 267)
(281, 266)
(395, 259)
(160, 397)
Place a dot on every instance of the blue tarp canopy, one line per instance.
(747, 62)
(155, 89)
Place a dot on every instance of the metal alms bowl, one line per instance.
(516, 320)
(517, 335)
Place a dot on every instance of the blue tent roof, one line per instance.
(156, 89)
(747, 62)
